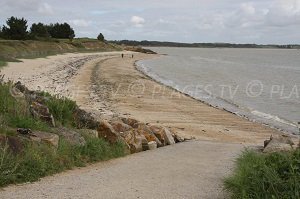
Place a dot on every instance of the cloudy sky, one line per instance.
(236, 21)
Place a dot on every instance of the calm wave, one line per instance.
(262, 85)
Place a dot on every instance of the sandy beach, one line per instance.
(134, 94)
(109, 86)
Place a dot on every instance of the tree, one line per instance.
(100, 37)
(61, 31)
(39, 30)
(15, 29)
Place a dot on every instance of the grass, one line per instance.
(12, 50)
(62, 109)
(15, 111)
(2, 63)
(37, 161)
(274, 176)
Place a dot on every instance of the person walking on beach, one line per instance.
(132, 56)
(122, 55)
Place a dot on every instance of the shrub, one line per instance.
(39, 160)
(100, 37)
(275, 175)
(15, 111)
(62, 109)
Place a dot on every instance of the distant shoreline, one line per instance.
(203, 45)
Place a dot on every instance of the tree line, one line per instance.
(17, 29)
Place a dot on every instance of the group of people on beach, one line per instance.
(123, 55)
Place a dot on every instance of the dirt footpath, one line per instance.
(189, 170)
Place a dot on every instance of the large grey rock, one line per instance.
(71, 136)
(44, 137)
(84, 119)
(42, 112)
(278, 143)
(14, 144)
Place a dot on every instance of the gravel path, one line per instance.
(189, 170)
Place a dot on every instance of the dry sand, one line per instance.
(113, 87)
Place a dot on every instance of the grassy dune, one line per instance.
(11, 50)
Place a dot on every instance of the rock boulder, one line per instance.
(278, 143)
(44, 137)
(42, 112)
(107, 132)
(71, 136)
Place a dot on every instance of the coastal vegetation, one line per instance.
(17, 40)
(199, 45)
(16, 29)
(100, 37)
(26, 157)
(258, 175)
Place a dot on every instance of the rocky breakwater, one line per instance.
(137, 136)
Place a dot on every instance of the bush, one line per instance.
(62, 109)
(100, 37)
(257, 175)
(40, 160)
(15, 111)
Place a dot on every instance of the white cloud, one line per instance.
(239, 21)
(137, 21)
(45, 9)
(80, 22)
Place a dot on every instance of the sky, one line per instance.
(233, 21)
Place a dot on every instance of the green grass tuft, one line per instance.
(273, 176)
(15, 111)
(2, 63)
(40, 160)
(62, 109)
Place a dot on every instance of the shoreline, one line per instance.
(244, 116)
(120, 107)
(100, 84)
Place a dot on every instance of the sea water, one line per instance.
(262, 85)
